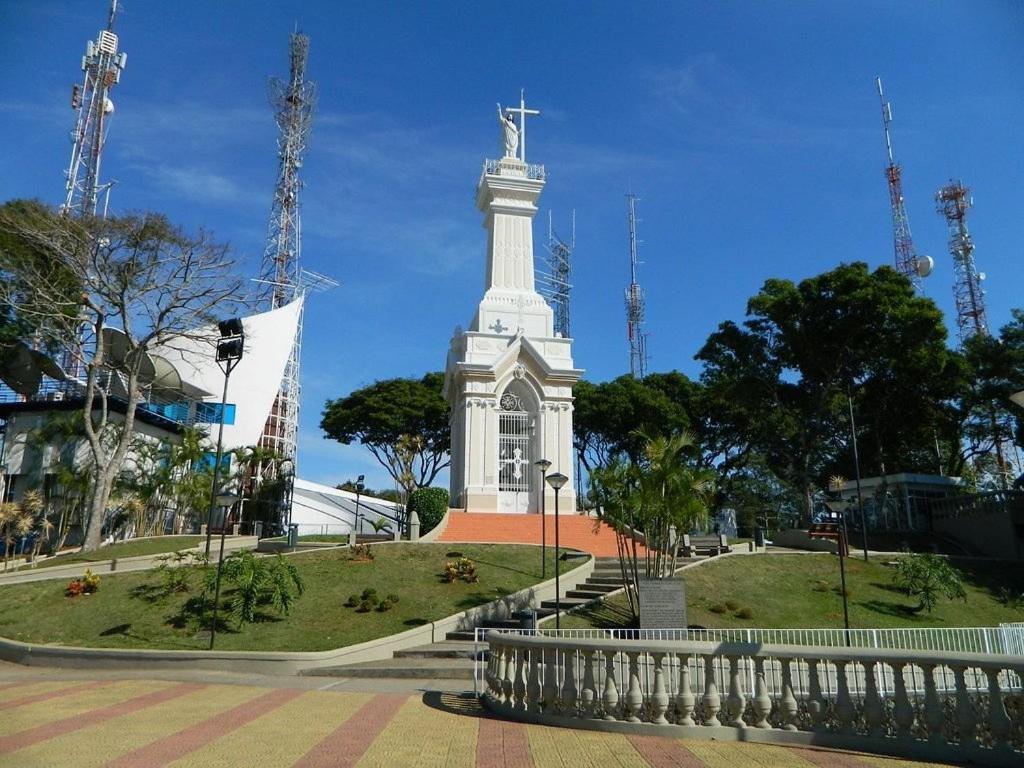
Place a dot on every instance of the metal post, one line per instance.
(216, 466)
(543, 465)
(856, 469)
(558, 570)
(359, 523)
(843, 547)
(216, 592)
(543, 531)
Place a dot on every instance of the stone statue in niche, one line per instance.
(510, 135)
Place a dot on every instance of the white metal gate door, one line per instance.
(513, 457)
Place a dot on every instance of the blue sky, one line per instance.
(751, 132)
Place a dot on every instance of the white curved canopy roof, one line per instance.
(256, 379)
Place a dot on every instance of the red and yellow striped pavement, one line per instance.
(154, 723)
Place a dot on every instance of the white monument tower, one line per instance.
(509, 378)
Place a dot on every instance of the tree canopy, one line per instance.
(402, 422)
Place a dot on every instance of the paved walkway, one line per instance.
(50, 719)
(575, 531)
(119, 565)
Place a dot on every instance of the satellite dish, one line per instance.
(108, 106)
(23, 369)
(118, 350)
(166, 380)
(982, 275)
(924, 265)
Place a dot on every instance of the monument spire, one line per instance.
(509, 377)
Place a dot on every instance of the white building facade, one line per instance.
(509, 378)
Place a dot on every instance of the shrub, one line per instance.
(430, 504)
(718, 608)
(352, 602)
(366, 606)
(462, 569)
(369, 594)
(361, 552)
(732, 605)
(744, 613)
(385, 605)
(929, 578)
(86, 585)
(258, 581)
(393, 598)
(176, 576)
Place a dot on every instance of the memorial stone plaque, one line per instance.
(662, 603)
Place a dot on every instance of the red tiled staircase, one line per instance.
(575, 531)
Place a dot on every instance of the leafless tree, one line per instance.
(74, 280)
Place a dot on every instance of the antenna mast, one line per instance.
(952, 201)
(102, 65)
(554, 276)
(908, 263)
(281, 276)
(635, 302)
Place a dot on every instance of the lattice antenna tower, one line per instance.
(908, 263)
(952, 201)
(281, 277)
(635, 301)
(554, 276)
(102, 65)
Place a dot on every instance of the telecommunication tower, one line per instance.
(908, 263)
(102, 65)
(635, 302)
(554, 276)
(281, 277)
(952, 201)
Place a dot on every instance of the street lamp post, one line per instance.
(543, 465)
(229, 353)
(856, 469)
(359, 490)
(226, 501)
(556, 481)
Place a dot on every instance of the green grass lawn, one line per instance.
(803, 591)
(151, 546)
(127, 612)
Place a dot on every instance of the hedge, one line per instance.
(430, 504)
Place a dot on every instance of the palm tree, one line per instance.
(661, 496)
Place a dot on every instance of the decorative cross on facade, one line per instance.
(497, 327)
(522, 111)
(517, 462)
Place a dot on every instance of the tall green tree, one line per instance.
(781, 378)
(609, 417)
(404, 423)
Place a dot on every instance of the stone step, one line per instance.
(443, 650)
(604, 588)
(567, 603)
(609, 580)
(584, 594)
(401, 668)
(461, 635)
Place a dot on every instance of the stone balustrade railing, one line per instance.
(926, 705)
